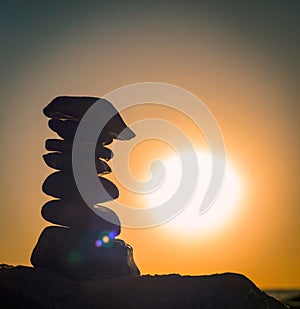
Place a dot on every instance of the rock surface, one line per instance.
(66, 147)
(63, 162)
(74, 108)
(25, 287)
(62, 185)
(81, 256)
(67, 213)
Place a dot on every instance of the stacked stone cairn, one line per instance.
(82, 245)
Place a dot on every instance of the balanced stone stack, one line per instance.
(82, 245)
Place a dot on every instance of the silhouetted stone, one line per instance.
(82, 257)
(63, 162)
(66, 147)
(84, 246)
(105, 138)
(58, 145)
(79, 216)
(63, 185)
(75, 107)
(69, 107)
(66, 129)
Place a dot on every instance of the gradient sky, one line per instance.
(240, 58)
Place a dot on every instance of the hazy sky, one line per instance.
(240, 58)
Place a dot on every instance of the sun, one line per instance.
(218, 215)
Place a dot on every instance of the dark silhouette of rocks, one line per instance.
(73, 108)
(76, 254)
(66, 147)
(67, 214)
(66, 129)
(62, 185)
(80, 263)
(63, 162)
(26, 287)
(84, 245)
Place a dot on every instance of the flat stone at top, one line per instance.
(63, 162)
(79, 216)
(62, 185)
(66, 147)
(68, 107)
(75, 107)
(80, 257)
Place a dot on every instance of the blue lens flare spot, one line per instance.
(98, 243)
(112, 235)
(105, 239)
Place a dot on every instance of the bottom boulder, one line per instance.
(81, 256)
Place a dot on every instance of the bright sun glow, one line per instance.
(189, 220)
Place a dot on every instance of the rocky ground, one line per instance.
(28, 287)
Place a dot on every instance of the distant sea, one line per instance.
(289, 297)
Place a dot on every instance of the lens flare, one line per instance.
(98, 243)
(105, 239)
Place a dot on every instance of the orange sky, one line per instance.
(251, 94)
